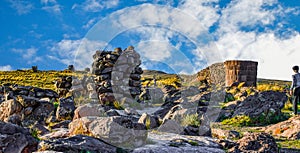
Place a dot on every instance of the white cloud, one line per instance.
(21, 6)
(154, 50)
(230, 40)
(245, 13)
(26, 53)
(89, 23)
(275, 55)
(5, 68)
(202, 10)
(51, 6)
(78, 52)
(96, 5)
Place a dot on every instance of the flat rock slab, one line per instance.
(174, 143)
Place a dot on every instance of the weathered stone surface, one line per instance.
(171, 126)
(77, 144)
(256, 142)
(190, 91)
(119, 131)
(89, 110)
(289, 129)
(268, 103)
(14, 138)
(149, 120)
(66, 108)
(56, 133)
(173, 143)
(225, 134)
(9, 108)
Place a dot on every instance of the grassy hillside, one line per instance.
(42, 79)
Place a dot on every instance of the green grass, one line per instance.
(191, 119)
(41, 79)
(290, 144)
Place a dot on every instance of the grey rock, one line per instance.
(66, 108)
(14, 138)
(77, 144)
(173, 143)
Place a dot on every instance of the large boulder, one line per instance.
(77, 144)
(14, 138)
(289, 129)
(119, 131)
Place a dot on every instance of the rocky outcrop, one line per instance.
(289, 129)
(77, 144)
(267, 103)
(14, 138)
(255, 142)
(251, 142)
(25, 111)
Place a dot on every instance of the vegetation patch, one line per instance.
(191, 120)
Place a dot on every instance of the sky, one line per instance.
(175, 36)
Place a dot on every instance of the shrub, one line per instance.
(191, 119)
(238, 121)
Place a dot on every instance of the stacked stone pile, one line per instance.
(118, 74)
(63, 85)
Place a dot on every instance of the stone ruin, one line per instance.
(229, 73)
(118, 75)
(241, 71)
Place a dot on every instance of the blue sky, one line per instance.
(179, 36)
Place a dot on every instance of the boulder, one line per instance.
(77, 144)
(256, 142)
(119, 131)
(289, 129)
(9, 108)
(66, 108)
(89, 110)
(14, 138)
(149, 121)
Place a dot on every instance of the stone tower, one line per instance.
(241, 71)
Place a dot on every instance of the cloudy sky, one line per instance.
(178, 36)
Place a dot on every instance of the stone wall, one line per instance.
(241, 71)
(118, 74)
